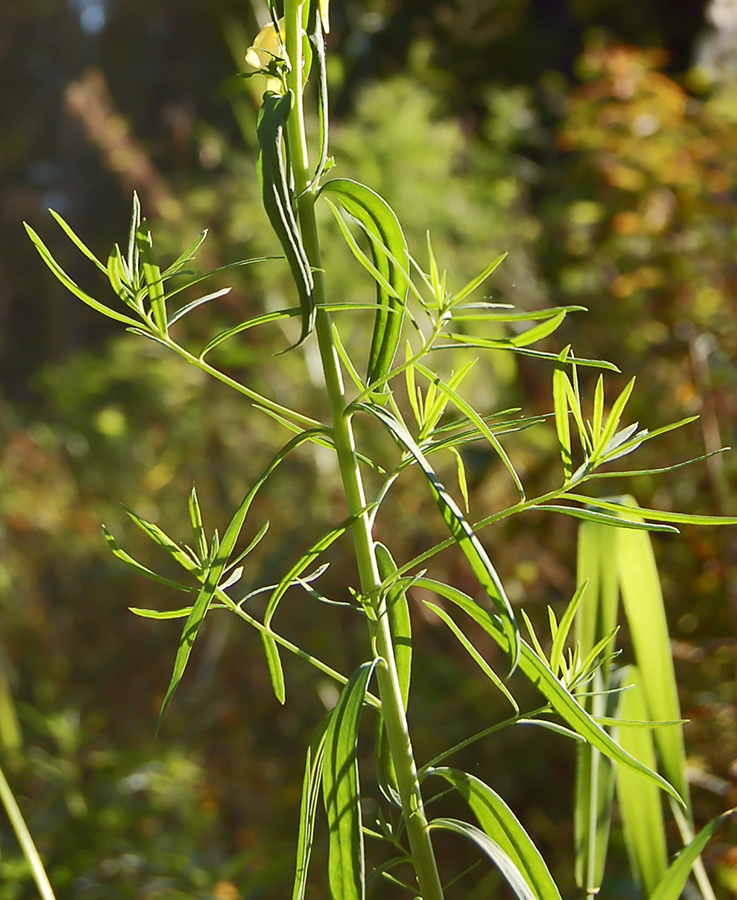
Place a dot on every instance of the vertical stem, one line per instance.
(25, 840)
(393, 713)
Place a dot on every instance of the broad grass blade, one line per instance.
(596, 618)
(640, 803)
(346, 865)
(643, 603)
(500, 824)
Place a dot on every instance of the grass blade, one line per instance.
(639, 803)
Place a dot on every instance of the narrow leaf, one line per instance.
(461, 531)
(346, 865)
(539, 673)
(501, 825)
(501, 860)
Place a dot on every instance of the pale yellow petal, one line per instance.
(324, 4)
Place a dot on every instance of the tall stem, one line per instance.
(393, 713)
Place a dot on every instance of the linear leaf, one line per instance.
(161, 614)
(79, 244)
(72, 286)
(183, 310)
(278, 202)
(539, 673)
(464, 407)
(346, 865)
(590, 515)
(656, 515)
(675, 878)
(139, 567)
(490, 848)
(560, 408)
(476, 282)
(556, 652)
(388, 249)
(461, 531)
(473, 652)
(152, 276)
(500, 824)
(308, 806)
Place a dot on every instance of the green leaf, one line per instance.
(400, 623)
(213, 575)
(388, 249)
(71, 285)
(308, 806)
(183, 310)
(539, 673)
(615, 416)
(473, 652)
(675, 878)
(346, 865)
(642, 599)
(198, 530)
(476, 282)
(185, 257)
(501, 825)
(491, 344)
(272, 651)
(250, 323)
(590, 515)
(556, 652)
(278, 202)
(152, 276)
(501, 860)
(188, 562)
(317, 43)
(464, 407)
(158, 614)
(139, 567)
(656, 515)
(77, 242)
(560, 407)
(461, 531)
(639, 803)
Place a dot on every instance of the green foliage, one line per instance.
(450, 403)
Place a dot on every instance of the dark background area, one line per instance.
(579, 136)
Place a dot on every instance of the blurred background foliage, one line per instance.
(594, 141)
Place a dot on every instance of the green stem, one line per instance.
(25, 840)
(393, 713)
